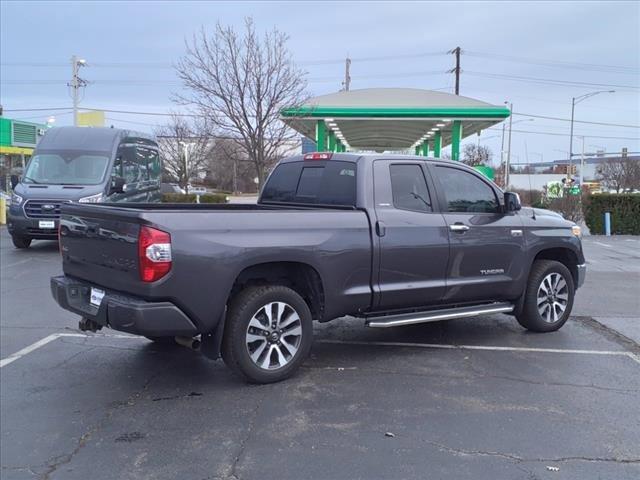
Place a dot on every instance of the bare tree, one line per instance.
(240, 82)
(229, 169)
(620, 174)
(181, 137)
(474, 155)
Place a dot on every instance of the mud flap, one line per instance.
(212, 341)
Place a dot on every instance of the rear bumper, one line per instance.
(582, 273)
(122, 312)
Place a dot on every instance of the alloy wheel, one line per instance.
(274, 335)
(552, 297)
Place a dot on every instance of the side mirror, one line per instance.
(117, 185)
(15, 180)
(512, 202)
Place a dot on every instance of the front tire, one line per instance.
(548, 298)
(268, 333)
(21, 242)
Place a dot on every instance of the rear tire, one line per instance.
(268, 333)
(21, 242)
(548, 299)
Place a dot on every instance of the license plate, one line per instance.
(46, 224)
(96, 296)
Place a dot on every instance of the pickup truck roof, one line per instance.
(370, 158)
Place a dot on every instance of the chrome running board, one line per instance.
(398, 320)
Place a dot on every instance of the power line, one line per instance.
(130, 112)
(575, 121)
(556, 63)
(566, 134)
(549, 81)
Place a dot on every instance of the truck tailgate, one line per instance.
(100, 245)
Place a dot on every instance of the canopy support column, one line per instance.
(417, 149)
(332, 141)
(437, 144)
(321, 136)
(425, 148)
(456, 136)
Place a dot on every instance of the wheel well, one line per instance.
(302, 278)
(562, 255)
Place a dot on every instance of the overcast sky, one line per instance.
(130, 47)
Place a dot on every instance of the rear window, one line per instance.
(329, 182)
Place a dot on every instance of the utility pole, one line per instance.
(76, 84)
(582, 165)
(347, 74)
(456, 51)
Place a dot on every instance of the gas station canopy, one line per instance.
(392, 119)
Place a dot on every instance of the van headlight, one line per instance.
(15, 199)
(577, 231)
(92, 198)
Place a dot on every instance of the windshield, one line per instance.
(67, 168)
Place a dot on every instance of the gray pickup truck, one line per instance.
(394, 240)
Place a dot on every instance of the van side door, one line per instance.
(413, 237)
(486, 243)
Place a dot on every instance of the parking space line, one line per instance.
(603, 244)
(48, 339)
(493, 348)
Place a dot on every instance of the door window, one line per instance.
(136, 163)
(409, 188)
(466, 193)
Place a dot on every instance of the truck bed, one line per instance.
(212, 244)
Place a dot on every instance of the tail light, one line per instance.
(318, 156)
(154, 253)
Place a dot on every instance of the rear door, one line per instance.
(413, 238)
(485, 260)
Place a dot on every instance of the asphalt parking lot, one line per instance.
(478, 398)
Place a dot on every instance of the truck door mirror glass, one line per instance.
(512, 202)
(14, 181)
(117, 185)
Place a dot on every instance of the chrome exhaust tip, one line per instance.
(189, 342)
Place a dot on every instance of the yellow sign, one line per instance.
(91, 119)
(15, 150)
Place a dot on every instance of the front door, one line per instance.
(486, 244)
(413, 237)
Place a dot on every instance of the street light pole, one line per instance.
(508, 163)
(574, 102)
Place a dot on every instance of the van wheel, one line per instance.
(549, 297)
(268, 333)
(21, 242)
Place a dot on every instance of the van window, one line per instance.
(329, 182)
(137, 163)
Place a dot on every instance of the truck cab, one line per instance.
(79, 164)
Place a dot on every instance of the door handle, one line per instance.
(458, 228)
(380, 229)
